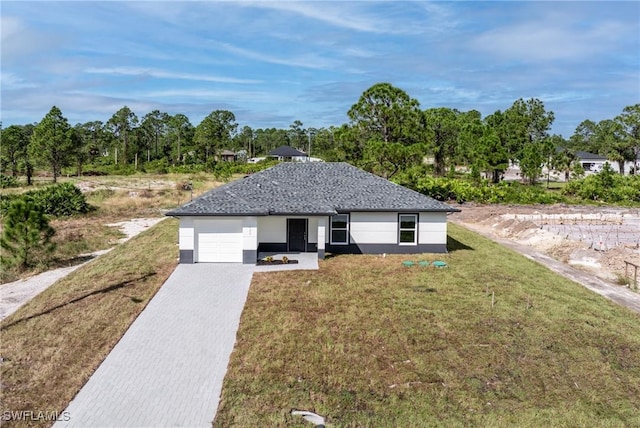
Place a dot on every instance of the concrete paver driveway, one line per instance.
(168, 368)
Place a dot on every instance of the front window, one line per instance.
(408, 229)
(340, 229)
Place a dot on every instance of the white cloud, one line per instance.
(20, 41)
(9, 81)
(550, 40)
(309, 60)
(208, 94)
(562, 96)
(9, 26)
(141, 71)
(454, 93)
(338, 14)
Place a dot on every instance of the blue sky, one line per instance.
(271, 63)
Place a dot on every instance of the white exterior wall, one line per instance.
(249, 233)
(186, 234)
(373, 228)
(382, 228)
(432, 228)
(322, 232)
(274, 228)
(312, 230)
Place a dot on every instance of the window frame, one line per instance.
(332, 228)
(414, 229)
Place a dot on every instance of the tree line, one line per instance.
(387, 134)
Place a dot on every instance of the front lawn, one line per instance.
(492, 340)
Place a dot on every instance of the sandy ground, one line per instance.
(15, 294)
(597, 240)
(130, 184)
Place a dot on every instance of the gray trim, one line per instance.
(272, 247)
(321, 254)
(281, 247)
(249, 257)
(186, 256)
(386, 248)
(243, 214)
(307, 214)
(397, 210)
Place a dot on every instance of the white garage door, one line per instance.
(220, 241)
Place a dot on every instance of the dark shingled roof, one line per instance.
(286, 152)
(590, 156)
(320, 188)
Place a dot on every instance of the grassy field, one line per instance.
(53, 344)
(115, 199)
(492, 340)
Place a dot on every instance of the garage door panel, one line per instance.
(220, 242)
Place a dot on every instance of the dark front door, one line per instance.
(297, 234)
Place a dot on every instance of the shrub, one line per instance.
(62, 199)
(8, 181)
(463, 190)
(186, 169)
(26, 235)
(606, 186)
(6, 200)
(158, 166)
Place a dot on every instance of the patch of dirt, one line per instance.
(135, 226)
(595, 239)
(132, 185)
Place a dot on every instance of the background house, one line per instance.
(309, 207)
(286, 153)
(591, 162)
(227, 156)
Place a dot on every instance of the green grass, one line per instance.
(364, 340)
(492, 340)
(53, 344)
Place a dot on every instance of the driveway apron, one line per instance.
(168, 368)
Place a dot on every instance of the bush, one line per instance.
(62, 199)
(26, 236)
(463, 190)
(103, 166)
(158, 166)
(186, 169)
(8, 181)
(250, 168)
(606, 186)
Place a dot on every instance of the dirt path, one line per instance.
(15, 294)
(617, 293)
